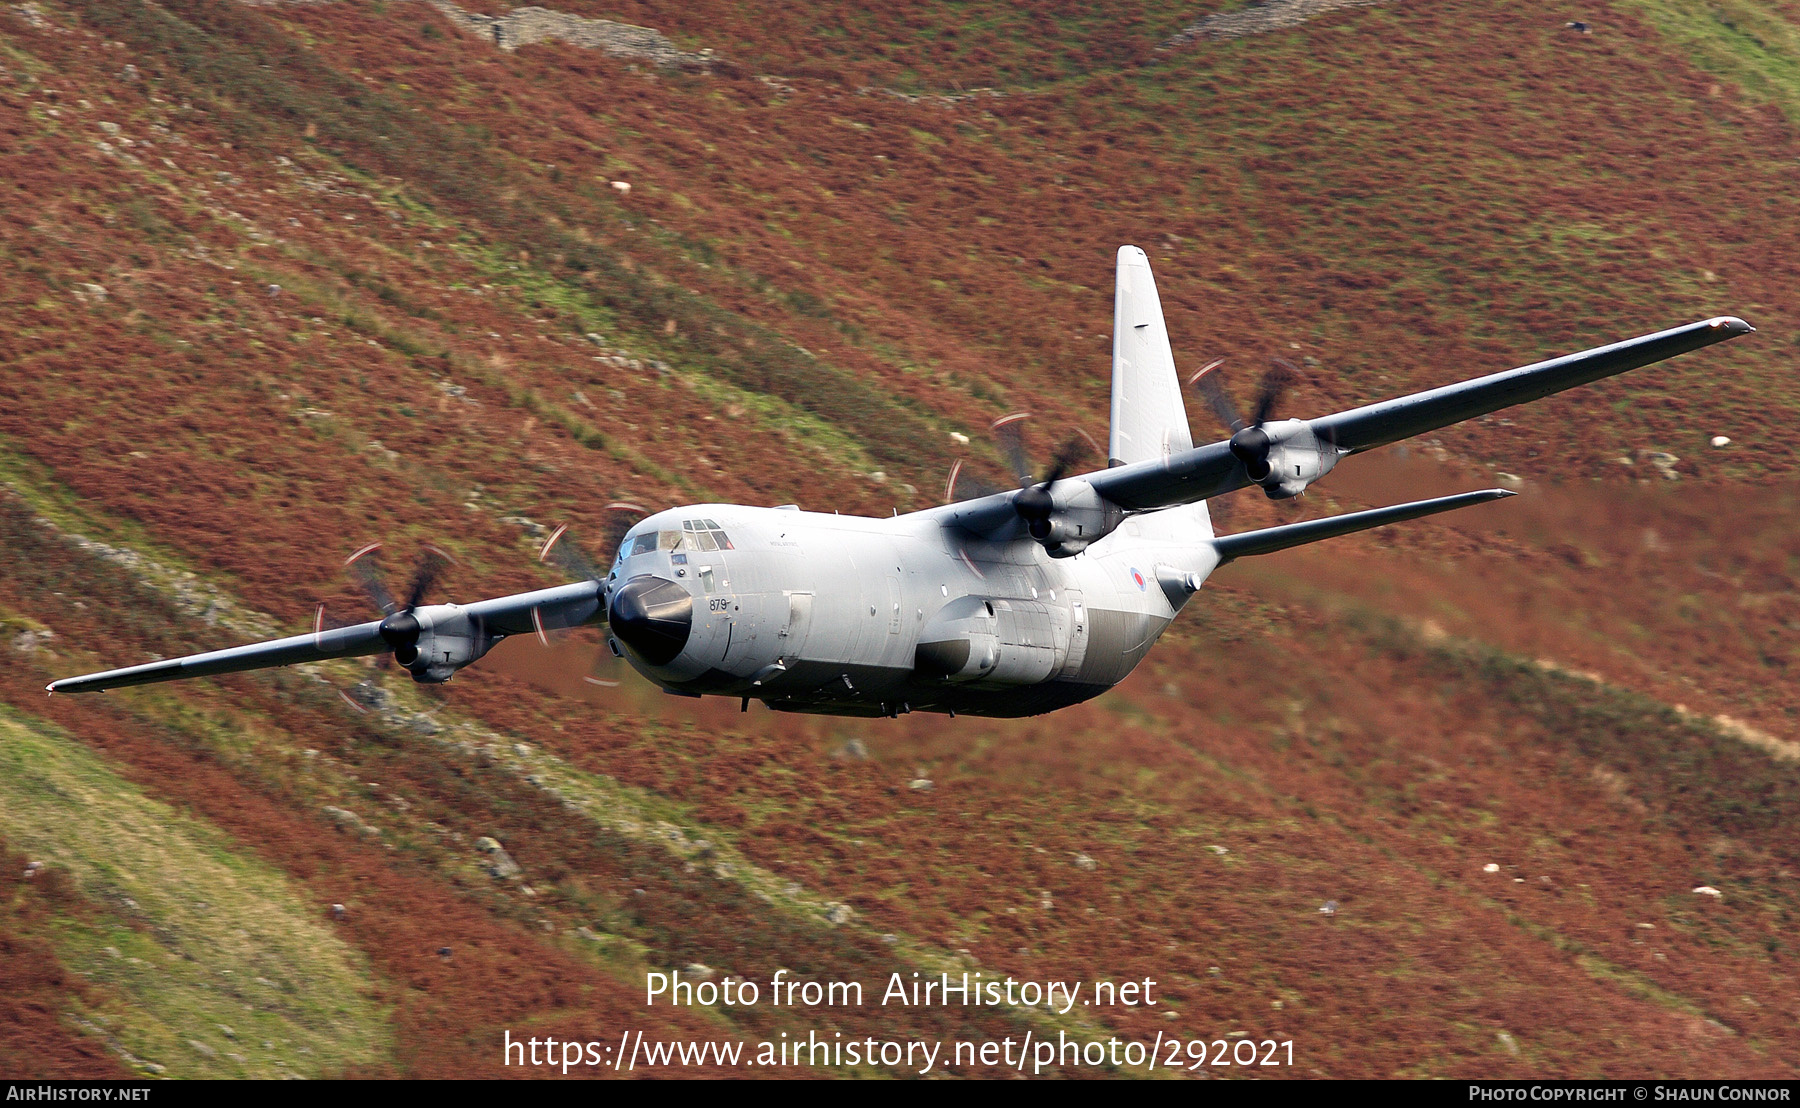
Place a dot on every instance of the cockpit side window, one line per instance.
(645, 543)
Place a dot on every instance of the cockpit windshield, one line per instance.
(699, 535)
(704, 534)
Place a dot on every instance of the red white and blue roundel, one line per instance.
(1138, 577)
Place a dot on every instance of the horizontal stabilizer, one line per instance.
(1298, 534)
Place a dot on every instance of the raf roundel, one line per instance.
(1138, 577)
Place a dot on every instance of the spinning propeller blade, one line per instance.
(400, 629)
(1034, 503)
(1009, 433)
(1249, 442)
(562, 550)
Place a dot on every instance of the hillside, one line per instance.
(281, 279)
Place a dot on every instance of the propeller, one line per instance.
(562, 550)
(1034, 503)
(1249, 442)
(568, 556)
(399, 629)
(1009, 433)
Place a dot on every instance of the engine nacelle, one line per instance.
(992, 642)
(1068, 517)
(1284, 456)
(449, 639)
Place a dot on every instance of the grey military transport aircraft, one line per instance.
(1010, 603)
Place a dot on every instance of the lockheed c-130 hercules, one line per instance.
(1011, 603)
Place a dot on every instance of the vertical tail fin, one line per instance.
(1148, 419)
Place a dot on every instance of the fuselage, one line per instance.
(852, 615)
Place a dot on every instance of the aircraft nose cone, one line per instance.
(653, 617)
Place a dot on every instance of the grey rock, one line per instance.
(525, 523)
(32, 14)
(525, 26)
(371, 696)
(350, 821)
(500, 863)
(1664, 463)
(27, 641)
(424, 725)
(1270, 15)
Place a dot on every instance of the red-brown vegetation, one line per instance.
(1406, 196)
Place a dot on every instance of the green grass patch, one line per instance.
(224, 969)
(1740, 41)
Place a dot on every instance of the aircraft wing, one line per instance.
(1391, 420)
(491, 620)
(341, 642)
(1212, 470)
